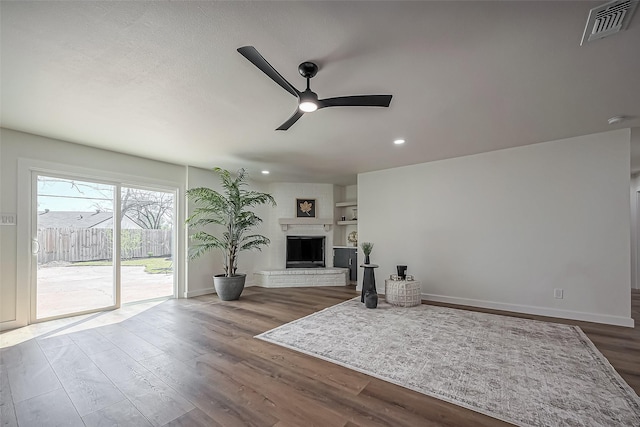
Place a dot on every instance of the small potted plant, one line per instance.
(229, 209)
(367, 247)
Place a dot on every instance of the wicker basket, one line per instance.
(403, 293)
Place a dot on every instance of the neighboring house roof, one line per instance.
(75, 219)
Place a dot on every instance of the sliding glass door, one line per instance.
(73, 246)
(146, 244)
(98, 244)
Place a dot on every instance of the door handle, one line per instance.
(350, 262)
(35, 246)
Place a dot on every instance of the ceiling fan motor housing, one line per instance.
(308, 69)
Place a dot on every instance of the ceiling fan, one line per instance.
(308, 100)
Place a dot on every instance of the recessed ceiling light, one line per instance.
(398, 141)
(265, 172)
(616, 119)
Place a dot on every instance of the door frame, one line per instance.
(25, 314)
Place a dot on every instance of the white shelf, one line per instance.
(345, 213)
(286, 222)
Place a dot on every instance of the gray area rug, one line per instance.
(526, 372)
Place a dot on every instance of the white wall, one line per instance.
(635, 218)
(504, 229)
(256, 260)
(635, 211)
(286, 194)
(351, 192)
(200, 271)
(15, 240)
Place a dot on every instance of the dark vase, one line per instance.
(366, 259)
(402, 271)
(371, 299)
(368, 281)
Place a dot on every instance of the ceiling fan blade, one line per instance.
(286, 125)
(356, 101)
(256, 59)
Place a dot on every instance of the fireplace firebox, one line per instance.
(305, 251)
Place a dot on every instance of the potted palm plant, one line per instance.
(230, 209)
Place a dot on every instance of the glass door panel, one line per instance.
(74, 243)
(146, 244)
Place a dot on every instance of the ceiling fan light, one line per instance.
(308, 101)
(308, 106)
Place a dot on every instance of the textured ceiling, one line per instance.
(163, 79)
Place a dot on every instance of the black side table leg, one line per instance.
(368, 282)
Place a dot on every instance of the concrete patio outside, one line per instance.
(69, 289)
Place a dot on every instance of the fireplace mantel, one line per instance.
(286, 222)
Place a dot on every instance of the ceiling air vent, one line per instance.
(608, 19)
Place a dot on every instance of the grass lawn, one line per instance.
(151, 265)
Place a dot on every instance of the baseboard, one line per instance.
(11, 324)
(198, 292)
(210, 290)
(540, 311)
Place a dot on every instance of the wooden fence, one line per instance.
(92, 244)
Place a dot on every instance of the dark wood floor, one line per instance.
(194, 363)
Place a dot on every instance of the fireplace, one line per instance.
(305, 251)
